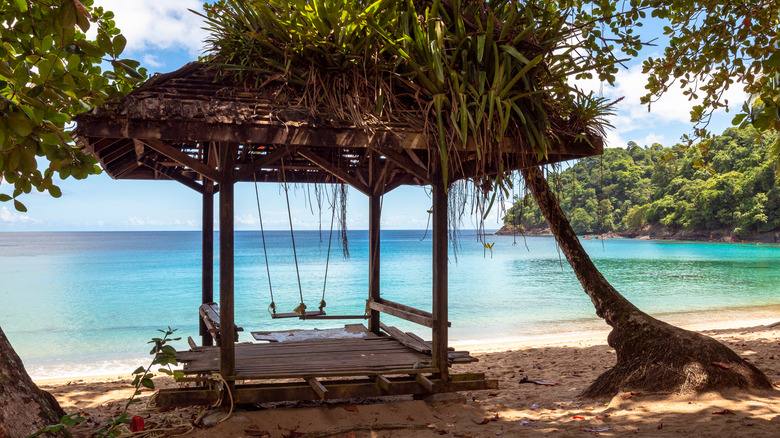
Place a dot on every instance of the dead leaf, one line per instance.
(660, 426)
(628, 395)
(493, 394)
(723, 365)
(603, 416)
(485, 420)
(409, 418)
(723, 412)
(495, 417)
(351, 408)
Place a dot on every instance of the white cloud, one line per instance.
(151, 60)
(652, 138)
(631, 115)
(13, 217)
(159, 24)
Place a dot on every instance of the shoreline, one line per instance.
(656, 232)
(553, 339)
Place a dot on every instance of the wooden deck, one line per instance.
(317, 358)
(396, 353)
(375, 365)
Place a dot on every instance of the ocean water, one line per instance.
(87, 303)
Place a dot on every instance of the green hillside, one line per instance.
(633, 187)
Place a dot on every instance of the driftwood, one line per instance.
(776, 324)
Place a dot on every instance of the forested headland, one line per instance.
(658, 191)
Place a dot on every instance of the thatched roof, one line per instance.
(167, 127)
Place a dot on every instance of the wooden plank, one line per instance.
(406, 164)
(412, 317)
(246, 171)
(424, 382)
(182, 158)
(171, 173)
(407, 340)
(383, 382)
(192, 343)
(405, 308)
(296, 315)
(278, 392)
(318, 388)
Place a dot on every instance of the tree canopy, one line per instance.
(631, 187)
(50, 70)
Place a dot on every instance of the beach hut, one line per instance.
(209, 133)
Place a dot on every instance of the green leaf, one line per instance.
(139, 370)
(4, 197)
(147, 383)
(19, 206)
(21, 5)
(119, 44)
(20, 124)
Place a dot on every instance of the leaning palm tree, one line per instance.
(470, 73)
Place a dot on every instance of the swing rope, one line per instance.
(327, 259)
(272, 306)
(301, 309)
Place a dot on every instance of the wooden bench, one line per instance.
(209, 312)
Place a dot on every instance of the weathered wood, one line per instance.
(227, 358)
(383, 383)
(318, 388)
(182, 158)
(264, 161)
(309, 314)
(207, 256)
(439, 236)
(374, 255)
(424, 382)
(171, 173)
(338, 389)
(412, 317)
(210, 316)
(407, 164)
(407, 340)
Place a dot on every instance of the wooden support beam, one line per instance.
(424, 382)
(339, 389)
(406, 164)
(374, 240)
(182, 158)
(439, 236)
(398, 313)
(383, 383)
(171, 173)
(318, 388)
(207, 256)
(227, 357)
(340, 174)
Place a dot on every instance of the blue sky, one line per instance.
(164, 35)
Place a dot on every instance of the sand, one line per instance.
(516, 409)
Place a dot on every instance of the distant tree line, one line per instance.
(733, 189)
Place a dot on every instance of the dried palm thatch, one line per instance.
(469, 73)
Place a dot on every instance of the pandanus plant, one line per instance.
(471, 73)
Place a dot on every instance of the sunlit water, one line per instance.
(87, 303)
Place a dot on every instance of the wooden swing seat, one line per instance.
(297, 315)
(209, 312)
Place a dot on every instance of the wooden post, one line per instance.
(207, 291)
(375, 214)
(227, 333)
(440, 317)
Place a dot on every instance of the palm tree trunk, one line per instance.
(651, 354)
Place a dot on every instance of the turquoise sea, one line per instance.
(87, 303)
